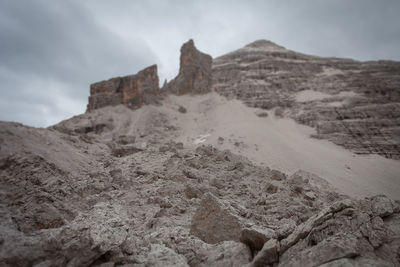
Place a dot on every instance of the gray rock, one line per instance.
(305, 228)
(161, 256)
(267, 255)
(286, 227)
(277, 175)
(382, 206)
(226, 253)
(132, 91)
(255, 237)
(213, 222)
(330, 249)
(195, 76)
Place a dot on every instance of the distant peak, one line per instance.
(264, 44)
(190, 42)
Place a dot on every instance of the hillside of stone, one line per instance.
(353, 104)
(113, 188)
(183, 176)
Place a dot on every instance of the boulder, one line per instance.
(213, 222)
(382, 206)
(256, 237)
(267, 255)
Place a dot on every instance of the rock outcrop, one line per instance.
(132, 91)
(353, 104)
(195, 76)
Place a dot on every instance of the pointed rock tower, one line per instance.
(195, 75)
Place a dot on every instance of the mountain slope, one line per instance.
(194, 180)
(95, 189)
(353, 104)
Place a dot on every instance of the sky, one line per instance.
(52, 50)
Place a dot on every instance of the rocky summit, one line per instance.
(218, 167)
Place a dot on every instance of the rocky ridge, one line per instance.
(133, 91)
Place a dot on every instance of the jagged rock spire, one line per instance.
(194, 72)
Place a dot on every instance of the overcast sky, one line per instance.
(50, 51)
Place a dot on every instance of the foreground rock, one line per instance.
(267, 255)
(347, 232)
(213, 222)
(256, 238)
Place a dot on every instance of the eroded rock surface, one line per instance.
(213, 223)
(132, 91)
(195, 75)
(346, 232)
(353, 104)
(67, 200)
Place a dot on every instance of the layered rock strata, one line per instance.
(132, 91)
(351, 103)
(143, 88)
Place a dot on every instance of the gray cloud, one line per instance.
(49, 54)
(50, 51)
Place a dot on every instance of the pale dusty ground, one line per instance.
(281, 144)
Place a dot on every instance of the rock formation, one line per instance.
(114, 187)
(132, 91)
(195, 75)
(353, 104)
(143, 88)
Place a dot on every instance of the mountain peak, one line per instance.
(264, 44)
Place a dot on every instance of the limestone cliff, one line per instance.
(351, 103)
(131, 91)
(195, 75)
(143, 88)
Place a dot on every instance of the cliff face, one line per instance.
(131, 91)
(143, 88)
(351, 103)
(195, 75)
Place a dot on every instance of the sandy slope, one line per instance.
(280, 144)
